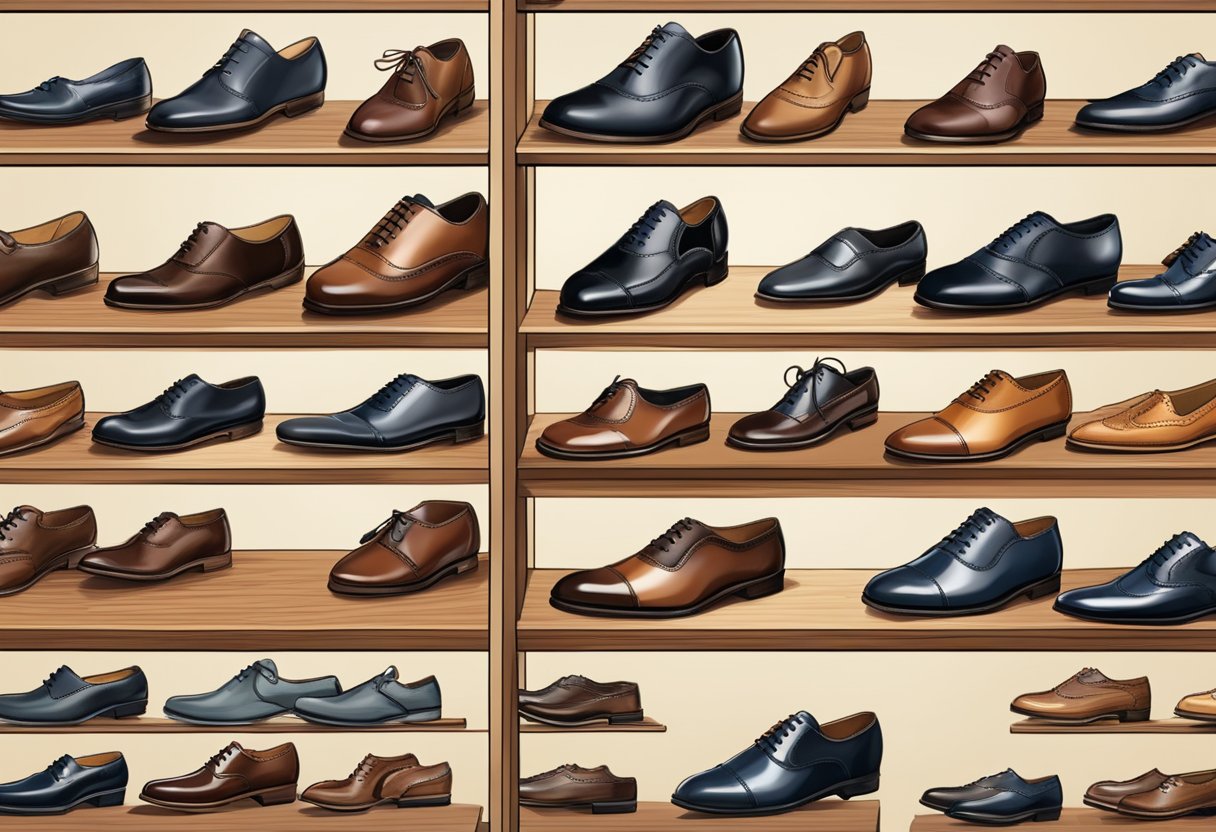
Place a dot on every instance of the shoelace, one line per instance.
(391, 521)
(983, 72)
(173, 392)
(1016, 231)
(256, 667)
(1189, 251)
(607, 393)
(59, 768)
(10, 523)
(670, 537)
(220, 756)
(774, 736)
(391, 392)
(7, 242)
(46, 85)
(50, 680)
(1175, 70)
(814, 374)
(188, 243)
(817, 60)
(968, 532)
(980, 780)
(392, 223)
(636, 60)
(405, 62)
(980, 390)
(363, 769)
(645, 225)
(1164, 552)
(1171, 783)
(154, 524)
(230, 57)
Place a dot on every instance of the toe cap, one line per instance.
(929, 436)
(1148, 293)
(905, 588)
(593, 292)
(339, 429)
(717, 788)
(595, 587)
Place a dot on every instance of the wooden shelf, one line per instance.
(278, 725)
(246, 5)
(249, 817)
(1148, 726)
(646, 726)
(267, 600)
(875, 136)
(258, 459)
(1076, 820)
(821, 609)
(312, 139)
(455, 320)
(823, 816)
(868, 5)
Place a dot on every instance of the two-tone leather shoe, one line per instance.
(34, 543)
(167, 545)
(190, 412)
(1106, 794)
(56, 257)
(233, 775)
(32, 418)
(120, 91)
(1187, 284)
(576, 700)
(66, 698)
(256, 693)
(380, 700)
(1159, 421)
(428, 85)
(1088, 696)
(574, 787)
(1000, 799)
(401, 781)
(66, 784)
(1181, 94)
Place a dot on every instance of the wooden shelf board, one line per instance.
(268, 600)
(278, 725)
(875, 136)
(646, 726)
(1076, 820)
(868, 5)
(257, 459)
(823, 816)
(312, 139)
(249, 817)
(1148, 726)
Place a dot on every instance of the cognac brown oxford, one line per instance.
(577, 700)
(683, 571)
(995, 417)
(575, 787)
(234, 774)
(34, 543)
(1201, 706)
(1089, 696)
(1156, 421)
(31, 418)
(55, 257)
(167, 545)
(1106, 794)
(428, 84)
(384, 780)
(1179, 795)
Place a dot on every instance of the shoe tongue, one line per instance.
(31, 510)
(250, 36)
(422, 200)
(662, 203)
(832, 57)
(270, 665)
(1092, 674)
(1189, 540)
(66, 681)
(389, 675)
(808, 719)
(1002, 49)
(676, 29)
(1199, 57)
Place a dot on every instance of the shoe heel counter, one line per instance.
(720, 231)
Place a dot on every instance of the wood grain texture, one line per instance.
(291, 817)
(1076, 820)
(266, 601)
(824, 816)
(1148, 726)
(821, 609)
(278, 725)
(870, 5)
(875, 136)
(258, 459)
(244, 5)
(312, 139)
(646, 726)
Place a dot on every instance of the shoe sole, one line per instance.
(224, 723)
(718, 112)
(267, 797)
(909, 277)
(212, 563)
(1129, 128)
(1121, 716)
(716, 274)
(422, 716)
(1097, 286)
(69, 427)
(1140, 449)
(1145, 622)
(1041, 435)
(290, 109)
(856, 105)
(856, 421)
(749, 590)
(68, 560)
(599, 807)
(472, 278)
(125, 710)
(56, 286)
(109, 797)
(692, 436)
(287, 278)
(400, 803)
(1097, 804)
(845, 790)
(1005, 820)
(457, 105)
(116, 111)
(1038, 589)
(467, 564)
(1033, 115)
(1194, 716)
(598, 719)
(449, 436)
(232, 433)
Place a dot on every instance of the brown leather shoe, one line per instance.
(1088, 696)
(1182, 794)
(415, 253)
(1107, 793)
(234, 774)
(33, 543)
(215, 266)
(1201, 706)
(411, 550)
(575, 787)
(683, 571)
(627, 420)
(995, 417)
(379, 780)
(428, 84)
(166, 546)
(1156, 421)
(577, 700)
(29, 418)
(813, 101)
(998, 100)
(55, 257)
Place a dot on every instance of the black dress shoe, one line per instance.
(1188, 282)
(68, 699)
(122, 91)
(1033, 261)
(664, 253)
(1181, 94)
(189, 412)
(248, 85)
(67, 783)
(661, 92)
(407, 413)
(1000, 799)
(853, 264)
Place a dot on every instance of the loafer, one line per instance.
(1088, 696)
(980, 567)
(794, 763)
(666, 252)
(66, 698)
(853, 264)
(1153, 422)
(407, 413)
(428, 85)
(166, 546)
(256, 693)
(402, 781)
(233, 775)
(380, 700)
(1000, 799)
(574, 787)
(189, 412)
(66, 784)
(1188, 282)
(1181, 94)
(576, 700)
(666, 87)
(1106, 794)
(56, 257)
(121, 91)
(1032, 261)
(249, 84)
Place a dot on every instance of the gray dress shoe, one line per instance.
(378, 700)
(254, 694)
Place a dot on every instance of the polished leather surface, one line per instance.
(255, 693)
(384, 780)
(1107, 793)
(120, 91)
(1188, 282)
(572, 786)
(1174, 584)
(578, 700)
(1000, 797)
(235, 773)
(659, 91)
(852, 264)
(816, 403)
(1157, 421)
(215, 265)
(1033, 260)
(665, 252)
(246, 83)
(986, 559)
(378, 700)
(96, 780)
(189, 410)
(1198, 706)
(993, 103)
(55, 256)
(794, 762)
(1087, 696)
(1183, 92)
(166, 545)
(1179, 795)
(66, 698)
(427, 84)
(407, 411)
(29, 418)
(417, 251)
(34, 542)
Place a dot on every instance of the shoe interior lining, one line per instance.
(852, 42)
(849, 726)
(113, 676)
(666, 398)
(263, 231)
(1036, 525)
(697, 212)
(445, 50)
(890, 237)
(48, 231)
(1192, 398)
(296, 49)
(1038, 379)
(747, 531)
(461, 209)
(99, 759)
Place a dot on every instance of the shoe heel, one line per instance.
(1047, 814)
(614, 807)
(1053, 431)
(304, 105)
(287, 278)
(863, 420)
(866, 785)
(761, 589)
(1034, 114)
(729, 109)
(467, 565)
(72, 282)
(131, 109)
(1134, 716)
(466, 99)
(618, 719)
(114, 798)
(432, 800)
(468, 433)
(74, 558)
(277, 797)
(1101, 286)
(475, 278)
(860, 101)
(218, 562)
(717, 272)
(700, 434)
(243, 431)
(129, 709)
(1051, 586)
(911, 276)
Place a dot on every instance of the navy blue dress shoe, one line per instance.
(1188, 282)
(96, 780)
(1181, 94)
(660, 93)
(1175, 584)
(407, 413)
(122, 91)
(377, 701)
(68, 699)
(1033, 261)
(256, 693)
(979, 567)
(188, 413)
(797, 761)
(248, 85)
(999, 799)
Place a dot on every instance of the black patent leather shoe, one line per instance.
(407, 413)
(1033, 261)
(67, 784)
(1188, 282)
(660, 93)
(999, 799)
(248, 85)
(667, 251)
(1181, 94)
(68, 699)
(122, 91)
(852, 264)
(188, 413)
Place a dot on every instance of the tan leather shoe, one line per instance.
(166, 546)
(1198, 706)
(34, 543)
(1179, 795)
(414, 254)
(428, 84)
(54, 257)
(813, 101)
(379, 780)
(995, 417)
(1106, 794)
(1088, 696)
(1156, 421)
(29, 418)
(575, 787)
(234, 774)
